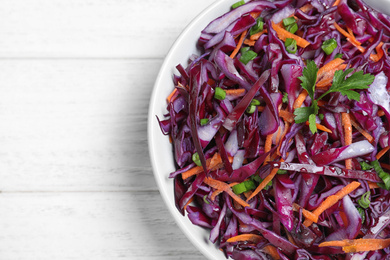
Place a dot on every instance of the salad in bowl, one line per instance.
(279, 130)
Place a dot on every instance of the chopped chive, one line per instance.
(205, 199)
(196, 159)
(239, 188)
(248, 56)
(362, 214)
(321, 116)
(329, 46)
(244, 49)
(292, 28)
(291, 45)
(285, 97)
(255, 102)
(258, 27)
(281, 171)
(382, 174)
(204, 121)
(364, 200)
(239, 3)
(288, 21)
(219, 94)
(338, 55)
(365, 166)
(251, 109)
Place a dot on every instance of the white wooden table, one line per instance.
(75, 174)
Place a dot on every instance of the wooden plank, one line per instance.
(79, 226)
(76, 125)
(98, 28)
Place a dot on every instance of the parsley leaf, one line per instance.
(344, 85)
(309, 78)
(341, 83)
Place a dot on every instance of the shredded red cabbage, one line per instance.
(254, 131)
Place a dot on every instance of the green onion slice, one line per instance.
(219, 94)
(329, 46)
(239, 3)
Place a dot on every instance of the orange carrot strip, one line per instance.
(211, 163)
(284, 34)
(235, 92)
(278, 135)
(372, 185)
(188, 203)
(382, 152)
(379, 53)
(169, 97)
(321, 127)
(287, 116)
(249, 42)
(327, 79)
(333, 199)
(246, 237)
(219, 185)
(346, 121)
(255, 15)
(380, 112)
(217, 192)
(364, 133)
(306, 8)
(268, 146)
(307, 214)
(359, 245)
(300, 99)
(329, 68)
(337, 2)
(272, 251)
(264, 183)
(256, 36)
(349, 37)
(239, 44)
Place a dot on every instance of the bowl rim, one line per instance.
(154, 133)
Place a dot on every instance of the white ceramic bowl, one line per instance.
(159, 147)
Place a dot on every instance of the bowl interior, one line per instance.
(160, 148)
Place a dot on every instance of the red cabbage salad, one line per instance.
(280, 131)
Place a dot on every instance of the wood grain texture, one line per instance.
(75, 124)
(93, 28)
(114, 225)
(75, 175)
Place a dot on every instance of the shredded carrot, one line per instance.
(278, 135)
(188, 203)
(321, 103)
(249, 42)
(379, 53)
(366, 134)
(211, 163)
(382, 152)
(255, 15)
(329, 68)
(219, 185)
(171, 95)
(268, 146)
(380, 112)
(300, 99)
(359, 245)
(346, 121)
(372, 185)
(349, 37)
(217, 192)
(287, 116)
(264, 183)
(246, 237)
(235, 92)
(256, 36)
(307, 214)
(333, 199)
(306, 8)
(336, 3)
(327, 78)
(239, 44)
(272, 251)
(321, 127)
(284, 34)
